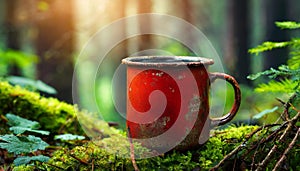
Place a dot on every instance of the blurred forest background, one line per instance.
(40, 39)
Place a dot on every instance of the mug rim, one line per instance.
(160, 61)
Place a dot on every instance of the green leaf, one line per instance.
(263, 113)
(288, 25)
(68, 137)
(23, 160)
(272, 71)
(294, 62)
(14, 120)
(282, 71)
(20, 125)
(21, 130)
(32, 84)
(41, 86)
(283, 86)
(266, 46)
(22, 144)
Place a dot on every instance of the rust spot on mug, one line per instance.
(180, 77)
(194, 106)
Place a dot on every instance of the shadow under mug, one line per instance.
(168, 101)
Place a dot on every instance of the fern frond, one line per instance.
(266, 46)
(283, 71)
(295, 44)
(283, 86)
(269, 72)
(290, 72)
(288, 25)
(294, 61)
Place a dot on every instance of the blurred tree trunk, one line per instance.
(187, 10)
(108, 67)
(121, 7)
(145, 24)
(12, 31)
(236, 48)
(55, 45)
(275, 11)
(121, 50)
(293, 10)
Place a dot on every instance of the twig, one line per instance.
(264, 140)
(132, 152)
(291, 123)
(281, 101)
(294, 108)
(286, 105)
(93, 164)
(254, 155)
(80, 160)
(54, 166)
(60, 130)
(113, 124)
(3, 118)
(234, 151)
(278, 134)
(234, 165)
(283, 157)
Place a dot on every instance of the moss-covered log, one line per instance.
(53, 115)
(108, 154)
(248, 145)
(112, 153)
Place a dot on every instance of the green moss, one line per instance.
(112, 153)
(24, 168)
(52, 114)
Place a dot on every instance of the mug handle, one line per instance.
(237, 98)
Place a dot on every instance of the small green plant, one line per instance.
(30, 84)
(21, 60)
(287, 76)
(53, 115)
(22, 145)
(20, 125)
(68, 137)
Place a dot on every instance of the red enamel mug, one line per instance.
(168, 101)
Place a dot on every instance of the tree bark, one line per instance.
(275, 11)
(55, 45)
(187, 10)
(12, 32)
(145, 40)
(236, 48)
